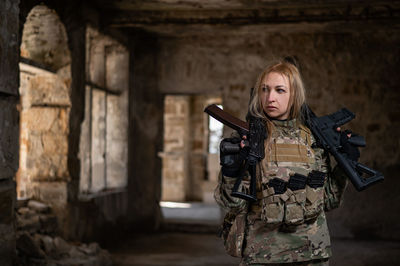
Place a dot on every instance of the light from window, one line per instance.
(215, 134)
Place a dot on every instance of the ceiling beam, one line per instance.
(277, 15)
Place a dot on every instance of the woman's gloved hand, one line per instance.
(232, 155)
(348, 147)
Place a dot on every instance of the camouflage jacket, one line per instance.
(287, 227)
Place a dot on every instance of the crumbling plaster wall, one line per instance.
(343, 64)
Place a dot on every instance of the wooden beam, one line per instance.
(275, 15)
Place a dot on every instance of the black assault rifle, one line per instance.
(256, 134)
(324, 130)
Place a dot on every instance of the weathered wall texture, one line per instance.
(146, 108)
(45, 110)
(343, 64)
(9, 126)
(9, 42)
(44, 132)
(44, 38)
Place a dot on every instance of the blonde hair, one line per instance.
(297, 93)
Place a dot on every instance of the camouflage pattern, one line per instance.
(321, 262)
(289, 227)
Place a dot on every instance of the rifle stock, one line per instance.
(227, 119)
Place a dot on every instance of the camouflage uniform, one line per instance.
(289, 227)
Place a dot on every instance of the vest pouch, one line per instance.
(314, 202)
(234, 233)
(295, 207)
(272, 209)
(314, 194)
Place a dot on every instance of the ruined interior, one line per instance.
(101, 113)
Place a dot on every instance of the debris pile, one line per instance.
(39, 244)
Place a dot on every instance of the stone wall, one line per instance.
(343, 64)
(44, 132)
(44, 38)
(9, 127)
(45, 80)
(185, 148)
(175, 155)
(88, 218)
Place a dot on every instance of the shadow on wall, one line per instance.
(370, 214)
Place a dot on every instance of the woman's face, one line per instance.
(275, 95)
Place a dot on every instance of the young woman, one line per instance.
(295, 183)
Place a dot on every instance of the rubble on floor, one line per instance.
(39, 244)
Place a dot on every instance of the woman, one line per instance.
(295, 184)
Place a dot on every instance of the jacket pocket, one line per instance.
(234, 237)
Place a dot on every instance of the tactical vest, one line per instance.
(291, 187)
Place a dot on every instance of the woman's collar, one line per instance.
(285, 122)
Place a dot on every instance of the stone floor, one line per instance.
(189, 238)
(194, 249)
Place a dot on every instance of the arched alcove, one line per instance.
(45, 78)
(44, 39)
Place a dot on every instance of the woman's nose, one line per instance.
(271, 97)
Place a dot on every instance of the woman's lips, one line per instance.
(271, 108)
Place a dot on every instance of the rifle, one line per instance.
(256, 133)
(324, 130)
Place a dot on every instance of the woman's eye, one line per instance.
(280, 90)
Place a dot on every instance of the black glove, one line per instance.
(351, 150)
(232, 156)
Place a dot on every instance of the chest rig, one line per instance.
(290, 187)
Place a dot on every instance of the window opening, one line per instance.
(187, 193)
(215, 133)
(104, 137)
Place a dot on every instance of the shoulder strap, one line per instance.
(305, 133)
